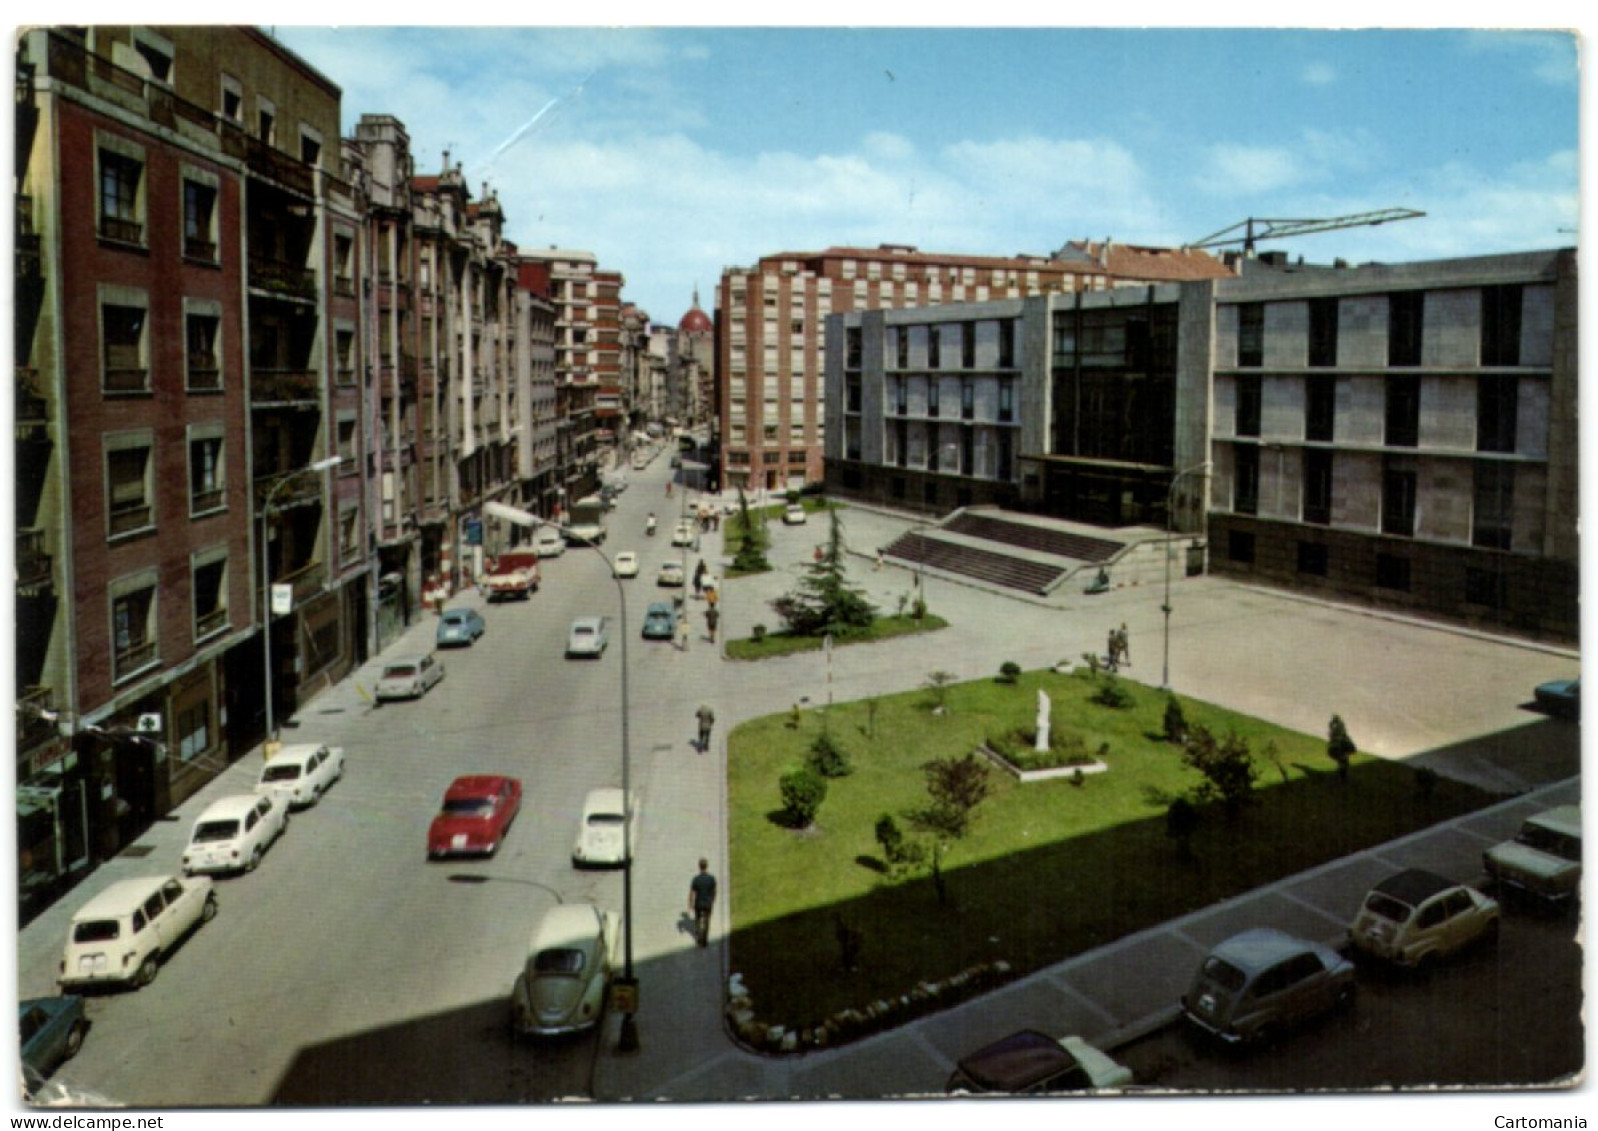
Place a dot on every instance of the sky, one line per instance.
(673, 152)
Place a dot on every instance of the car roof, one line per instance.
(1413, 886)
(298, 752)
(566, 925)
(475, 785)
(1565, 819)
(124, 895)
(236, 806)
(1015, 1062)
(1253, 950)
(401, 661)
(658, 607)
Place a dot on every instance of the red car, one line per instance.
(477, 812)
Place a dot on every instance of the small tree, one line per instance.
(1009, 671)
(751, 556)
(1175, 721)
(957, 786)
(938, 683)
(803, 791)
(1181, 822)
(828, 758)
(824, 601)
(1228, 767)
(1112, 694)
(1339, 746)
(900, 852)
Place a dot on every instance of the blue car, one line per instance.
(660, 621)
(53, 1029)
(1561, 697)
(460, 627)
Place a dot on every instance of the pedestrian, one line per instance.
(877, 566)
(682, 633)
(1112, 649)
(699, 578)
(701, 898)
(712, 594)
(1126, 648)
(707, 719)
(711, 618)
(668, 488)
(715, 521)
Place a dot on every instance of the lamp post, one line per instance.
(266, 579)
(1170, 528)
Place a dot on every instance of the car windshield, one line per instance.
(96, 930)
(454, 618)
(399, 671)
(1546, 840)
(604, 820)
(582, 630)
(215, 830)
(1224, 974)
(290, 772)
(1385, 906)
(560, 960)
(469, 807)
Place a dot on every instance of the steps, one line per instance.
(987, 566)
(1043, 539)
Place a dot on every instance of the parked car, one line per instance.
(301, 773)
(460, 627)
(476, 814)
(548, 542)
(120, 935)
(660, 621)
(1255, 985)
(409, 677)
(234, 832)
(626, 564)
(683, 534)
(561, 988)
(53, 1029)
(1544, 859)
(1416, 917)
(588, 636)
(600, 831)
(1032, 1062)
(794, 515)
(1560, 697)
(671, 574)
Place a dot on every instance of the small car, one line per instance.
(548, 542)
(53, 1029)
(588, 637)
(671, 575)
(600, 832)
(233, 833)
(409, 677)
(1257, 984)
(476, 814)
(561, 988)
(460, 627)
(1416, 917)
(683, 534)
(1032, 1062)
(120, 935)
(301, 773)
(660, 621)
(794, 515)
(1560, 697)
(626, 564)
(1544, 859)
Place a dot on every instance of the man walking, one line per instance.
(711, 617)
(707, 719)
(1126, 649)
(701, 898)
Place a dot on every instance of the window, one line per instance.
(1317, 486)
(133, 624)
(901, 395)
(204, 372)
(130, 489)
(1405, 315)
(349, 534)
(1007, 344)
(1005, 461)
(1486, 587)
(1398, 496)
(1312, 558)
(156, 53)
(1251, 335)
(199, 221)
(968, 401)
(344, 355)
(1240, 546)
(1246, 480)
(1248, 406)
(1500, 325)
(232, 104)
(852, 394)
(343, 269)
(932, 396)
(1403, 411)
(968, 345)
(266, 122)
(209, 570)
(1323, 332)
(310, 145)
(1497, 396)
(1006, 402)
(901, 347)
(1492, 525)
(934, 343)
(207, 483)
(1320, 409)
(851, 348)
(346, 441)
(121, 204)
(122, 330)
(1392, 572)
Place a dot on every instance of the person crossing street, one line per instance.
(707, 719)
(701, 899)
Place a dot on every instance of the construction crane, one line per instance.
(1255, 229)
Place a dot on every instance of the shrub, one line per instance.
(1228, 767)
(1175, 721)
(938, 683)
(828, 758)
(803, 791)
(1339, 746)
(1078, 777)
(899, 851)
(1019, 748)
(757, 632)
(1112, 694)
(1009, 671)
(957, 786)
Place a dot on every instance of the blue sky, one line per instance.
(673, 152)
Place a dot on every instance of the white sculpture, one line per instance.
(1042, 742)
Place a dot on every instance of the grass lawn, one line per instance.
(786, 643)
(1048, 869)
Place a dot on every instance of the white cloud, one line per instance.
(1232, 169)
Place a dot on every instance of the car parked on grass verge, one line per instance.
(601, 828)
(561, 988)
(301, 773)
(477, 812)
(1031, 1062)
(1544, 859)
(1254, 986)
(234, 832)
(121, 934)
(1560, 697)
(626, 564)
(52, 1030)
(588, 637)
(660, 621)
(794, 515)
(1416, 917)
(460, 628)
(671, 575)
(409, 677)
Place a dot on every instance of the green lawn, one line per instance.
(1048, 869)
(787, 644)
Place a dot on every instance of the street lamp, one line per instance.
(1170, 506)
(266, 578)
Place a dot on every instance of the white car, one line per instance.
(233, 833)
(120, 934)
(1416, 917)
(671, 574)
(301, 773)
(409, 677)
(561, 988)
(588, 636)
(600, 836)
(626, 564)
(794, 515)
(548, 542)
(683, 534)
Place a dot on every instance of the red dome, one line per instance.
(696, 321)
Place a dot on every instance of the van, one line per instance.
(1544, 859)
(120, 936)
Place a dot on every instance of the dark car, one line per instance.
(1560, 697)
(1255, 985)
(660, 621)
(1030, 1061)
(53, 1029)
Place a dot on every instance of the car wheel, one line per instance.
(147, 972)
(75, 1037)
(208, 912)
(254, 861)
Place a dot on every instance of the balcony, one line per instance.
(34, 707)
(264, 160)
(203, 251)
(288, 280)
(133, 658)
(209, 624)
(298, 488)
(284, 386)
(121, 230)
(126, 379)
(203, 502)
(34, 564)
(343, 286)
(204, 375)
(129, 517)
